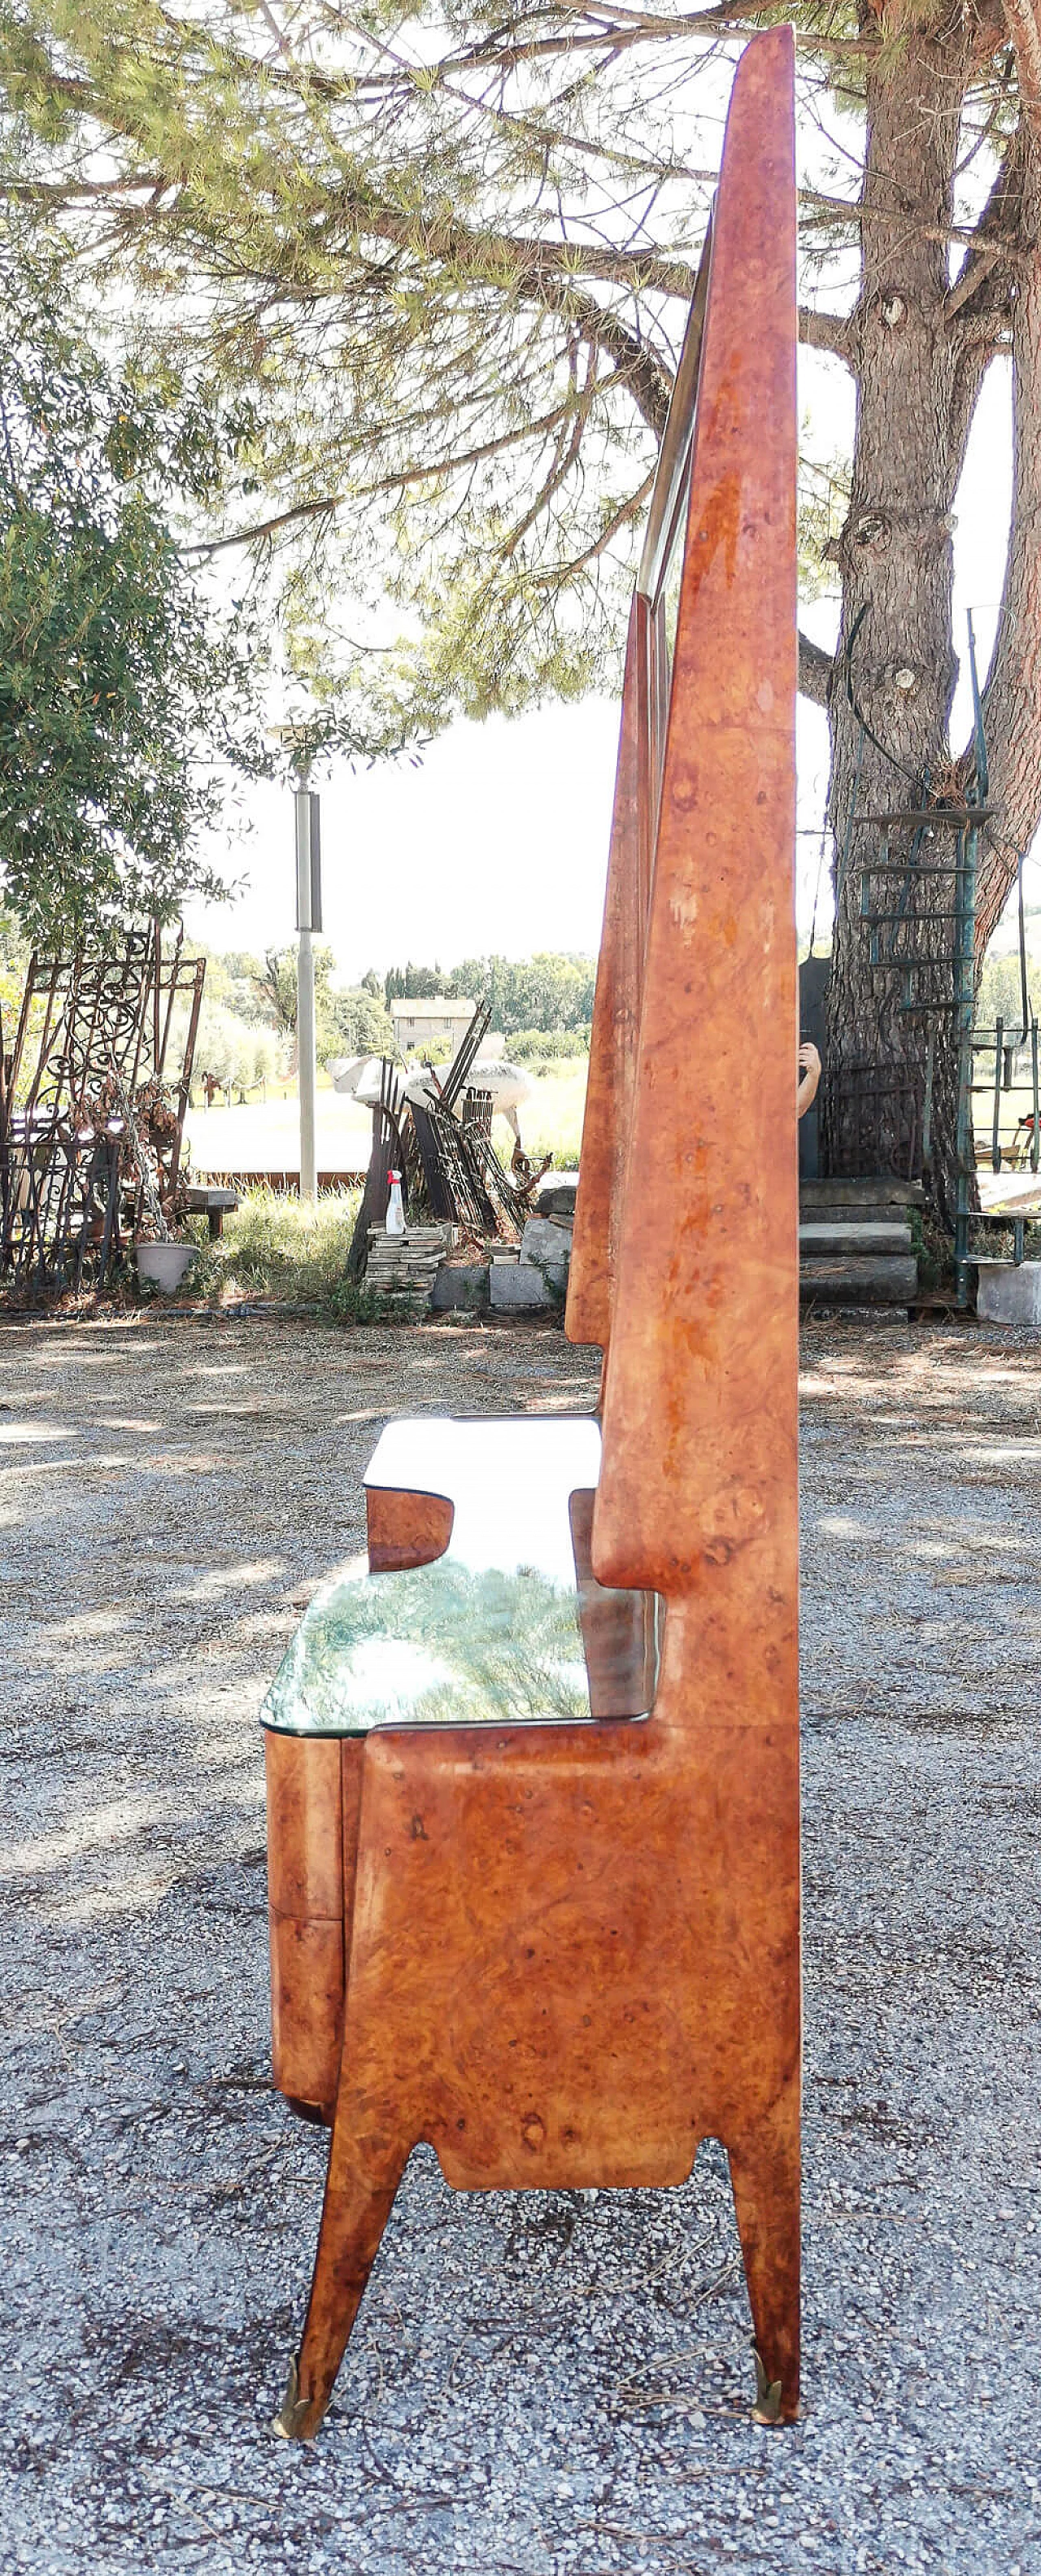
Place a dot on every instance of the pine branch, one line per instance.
(439, 469)
(997, 251)
(815, 671)
(827, 331)
(501, 258)
(627, 510)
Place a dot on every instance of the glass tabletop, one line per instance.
(506, 1628)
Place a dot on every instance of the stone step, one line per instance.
(869, 1212)
(877, 1281)
(820, 1198)
(874, 1237)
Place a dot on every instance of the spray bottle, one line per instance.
(395, 1211)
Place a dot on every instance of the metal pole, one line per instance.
(965, 988)
(305, 1024)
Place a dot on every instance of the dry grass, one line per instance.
(551, 1121)
(274, 1247)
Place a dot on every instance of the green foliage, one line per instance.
(358, 1025)
(354, 1302)
(346, 1023)
(433, 1050)
(548, 992)
(1000, 992)
(420, 983)
(442, 279)
(240, 1054)
(312, 237)
(275, 984)
(235, 978)
(548, 1045)
(121, 693)
(14, 957)
(274, 1247)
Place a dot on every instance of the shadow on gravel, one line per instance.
(553, 2385)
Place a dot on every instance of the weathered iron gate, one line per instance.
(93, 1095)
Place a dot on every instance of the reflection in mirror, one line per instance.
(507, 1628)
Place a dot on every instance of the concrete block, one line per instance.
(516, 1285)
(461, 1284)
(1007, 1294)
(546, 1243)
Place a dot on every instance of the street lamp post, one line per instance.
(308, 920)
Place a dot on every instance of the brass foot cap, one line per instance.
(298, 2418)
(767, 2408)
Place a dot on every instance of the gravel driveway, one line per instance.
(538, 2383)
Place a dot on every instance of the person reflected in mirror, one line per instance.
(809, 1077)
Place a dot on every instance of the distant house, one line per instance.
(418, 1024)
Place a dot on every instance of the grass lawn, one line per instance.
(551, 1121)
(273, 1247)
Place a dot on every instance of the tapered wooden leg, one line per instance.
(764, 2171)
(354, 2215)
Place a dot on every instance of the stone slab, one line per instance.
(460, 1284)
(862, 1213)
(880, 1281)
(556, 1194)
(880, 1190)
(854, 1237)
(546, 1241)
(1008, 1293)
(517, 1286)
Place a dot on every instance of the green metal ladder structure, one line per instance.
(892, 925)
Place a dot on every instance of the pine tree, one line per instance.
(446, 260)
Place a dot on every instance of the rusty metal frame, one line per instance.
(90, 1022)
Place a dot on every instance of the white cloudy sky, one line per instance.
(498, 842)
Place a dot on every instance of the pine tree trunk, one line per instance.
(896, 667)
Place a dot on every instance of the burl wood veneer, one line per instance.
(572, 1950)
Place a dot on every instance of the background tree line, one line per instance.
(541, 994)
(247, 1028)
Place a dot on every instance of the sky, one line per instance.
(497, 842)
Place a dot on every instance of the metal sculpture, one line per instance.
(533, 1779)
(92, 1104)
(451, 1170)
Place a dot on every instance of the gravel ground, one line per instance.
(538, 2383)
